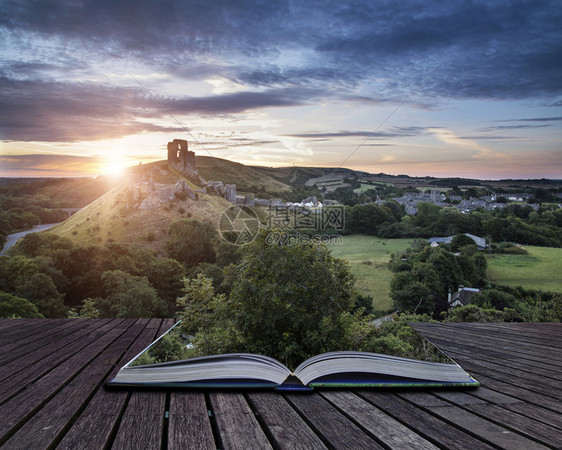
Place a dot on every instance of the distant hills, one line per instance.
(115, 216)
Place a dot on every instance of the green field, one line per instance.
(540, 269)
(368, 257)
(366, 186)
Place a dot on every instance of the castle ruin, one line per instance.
(182, 159)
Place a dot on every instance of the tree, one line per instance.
(13, 306)
(88, 310)
(492, 298)
(287, 301)
(166, 275)
(427, 215)
(286, 312)
(14, 271)
(199, 307)
(130, 296)
(42, 292)
(461, 240)
(367, 218)
(191, 242)
(412, 295)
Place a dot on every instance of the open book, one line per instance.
(334, 369)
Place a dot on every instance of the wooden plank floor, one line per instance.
(52, 395)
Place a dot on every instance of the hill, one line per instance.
(298, 176)
(116, 216)
(247, 179)
(58, 192)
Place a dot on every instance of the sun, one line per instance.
(114, 167)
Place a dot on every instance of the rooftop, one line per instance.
(52, 374)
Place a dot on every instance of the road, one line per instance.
(11, 239)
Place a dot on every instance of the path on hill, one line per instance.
(11, 239)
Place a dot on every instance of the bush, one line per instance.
(472, 313)
(17, 307)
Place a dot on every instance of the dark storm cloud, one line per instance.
(50, 111)
(241, 101)
(459, 50)
(455, 49)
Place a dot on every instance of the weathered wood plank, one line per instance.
(490, 353)
(547, 388)
(39, 359)
(538, 431)
(17, 346)
(8, 326)
(519, 393)
(423, 423)
(534, 356)
(503, 332)
(147, 430)
(189, 423)
(94, 427)
(479, 338)
(47, 425)
(333, 426)
(532, 429)
(20, 407)
(143, 422)
(379, 424)
(471, 423)
(491, 396)
(11, 386)
(237, 425)
(22, 330)
(536, 412)
(287, 429)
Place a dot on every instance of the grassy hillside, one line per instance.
(368, 257)
(300, 175)
(246, 178)
(112, 219)
(540, 269)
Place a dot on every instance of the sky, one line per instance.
(424, 88)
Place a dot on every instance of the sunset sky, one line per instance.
(467, 89)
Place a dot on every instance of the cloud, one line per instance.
(456, 50)
(393, 132)
(512, 127)
(55, 112)
(534, 119)
(478, 151)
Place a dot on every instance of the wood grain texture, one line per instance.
(288, 430)
(385, 428)
(189, 422)
(142, 422)
(331, 423)
(45, 427)
(237, 425)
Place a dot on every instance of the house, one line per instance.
(462, 297)
(480, 242)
